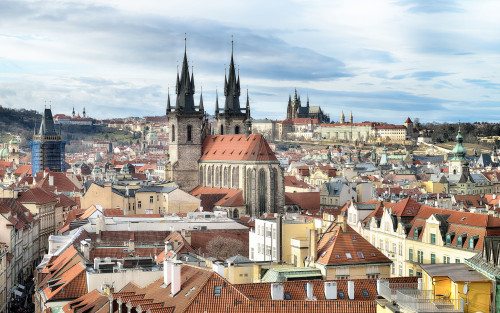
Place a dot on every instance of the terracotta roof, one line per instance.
(37, 196)
(88, 303)
(61, 182)
(343, 248)
(23, 170)
(306, 200)
(407, 207)
(71, 284)
(470, 201)
(408, 120)
(292, 181)
(236, 148)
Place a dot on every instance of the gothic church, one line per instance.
(234, 169)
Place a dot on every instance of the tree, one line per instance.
(222, 248)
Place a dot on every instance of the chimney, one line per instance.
(51, 180)
(167, 272)
(313, 237)
(277, 291)
(168, 246)
(330, 290)
(341, 221)
(218, 268)
(85, 247)
(175, 287)
(187, 235)
(309, 291)
(350, 289)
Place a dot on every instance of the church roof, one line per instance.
(237, 148)
(47, 127)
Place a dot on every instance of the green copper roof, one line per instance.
(459, 151)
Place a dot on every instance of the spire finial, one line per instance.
(185, 42)
(232, 44)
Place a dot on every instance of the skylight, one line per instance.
(360, 255)
(348, 255)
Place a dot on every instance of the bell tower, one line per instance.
(187, 128)
(231, 121)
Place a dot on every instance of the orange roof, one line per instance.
(306, 200)
(71, 284)
(408, 120)
(292, 181)
(343, 248)
(407, 207)
(236, 148)
(36, 195)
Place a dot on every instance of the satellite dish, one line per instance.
(466, 289)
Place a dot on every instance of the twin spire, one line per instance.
(185, 90)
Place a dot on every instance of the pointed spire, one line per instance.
(350, 118)
(232, 88)
(84, 114)
(248, 120)
(295, 96)
(185, 86)
(73, 113)
(200, 108)
(308, 101)
(216, 103)
(169, 108)
(342, 118)
(248, 107)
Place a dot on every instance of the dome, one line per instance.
(4, 153)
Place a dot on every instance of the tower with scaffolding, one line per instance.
(47, 147)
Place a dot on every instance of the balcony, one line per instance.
(412, 299)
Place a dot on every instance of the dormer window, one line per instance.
(473, 241)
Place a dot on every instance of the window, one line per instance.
(365, 292)
(237, 130)
(139, 204)
(189, 132)
(360, 255)
(217, 291)
(471, 243)
(400, 249)
(288, 296)
(173, 133)
(420, 256)
(419, 274)
(151, 199)
(459, 241)
(457, 260)
(393, 248)
(410, 272)
(348, 255)
(446, 259)
(410, 255)
(433, 258)
(448, 239)
(415, 233)
(148, 211)
(433, 239)
(341, 294)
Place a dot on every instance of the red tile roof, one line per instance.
(236, 148)
(37, 196)
(345, 248)
(306, 200)
(292, 181)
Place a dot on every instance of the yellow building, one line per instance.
(138, 199)
(457, 286)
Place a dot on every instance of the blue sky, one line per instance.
(382, 60)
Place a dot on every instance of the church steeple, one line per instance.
(350, 118)
(73, 113)
(232, 88)
(185, 87)
(342, 118)
(459, 151)
(84, 114)
(216, 103)
(201, 100)
(169, 108)
(248, 120)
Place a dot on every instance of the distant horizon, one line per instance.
(439, 61)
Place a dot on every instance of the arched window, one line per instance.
(202, 169)
(217, 177)
(209, 176)
(236, 213)
(189, 132)
(222, 129)
(237, 130)
(249, 188)
(235, 177)
(173, 133)
(262, 191)
(225, 181)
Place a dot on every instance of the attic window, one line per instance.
(463, 218)
(332, 239)
(337, 256)
(190, 290)
(469, 202)
(288, 296)
(348, 255)
(365, 292)
(323, 254)
(217, 291)
(473, 241)
(341, 294)
(373, 254)
(353, 238)
(360, 255)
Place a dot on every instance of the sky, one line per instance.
(435, 60)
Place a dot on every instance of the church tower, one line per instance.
(187, 131)
(342, 118)
(458, 165)
(231, 121)
(47, 147)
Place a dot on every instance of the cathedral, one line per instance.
(296, 110)
(237, 170)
